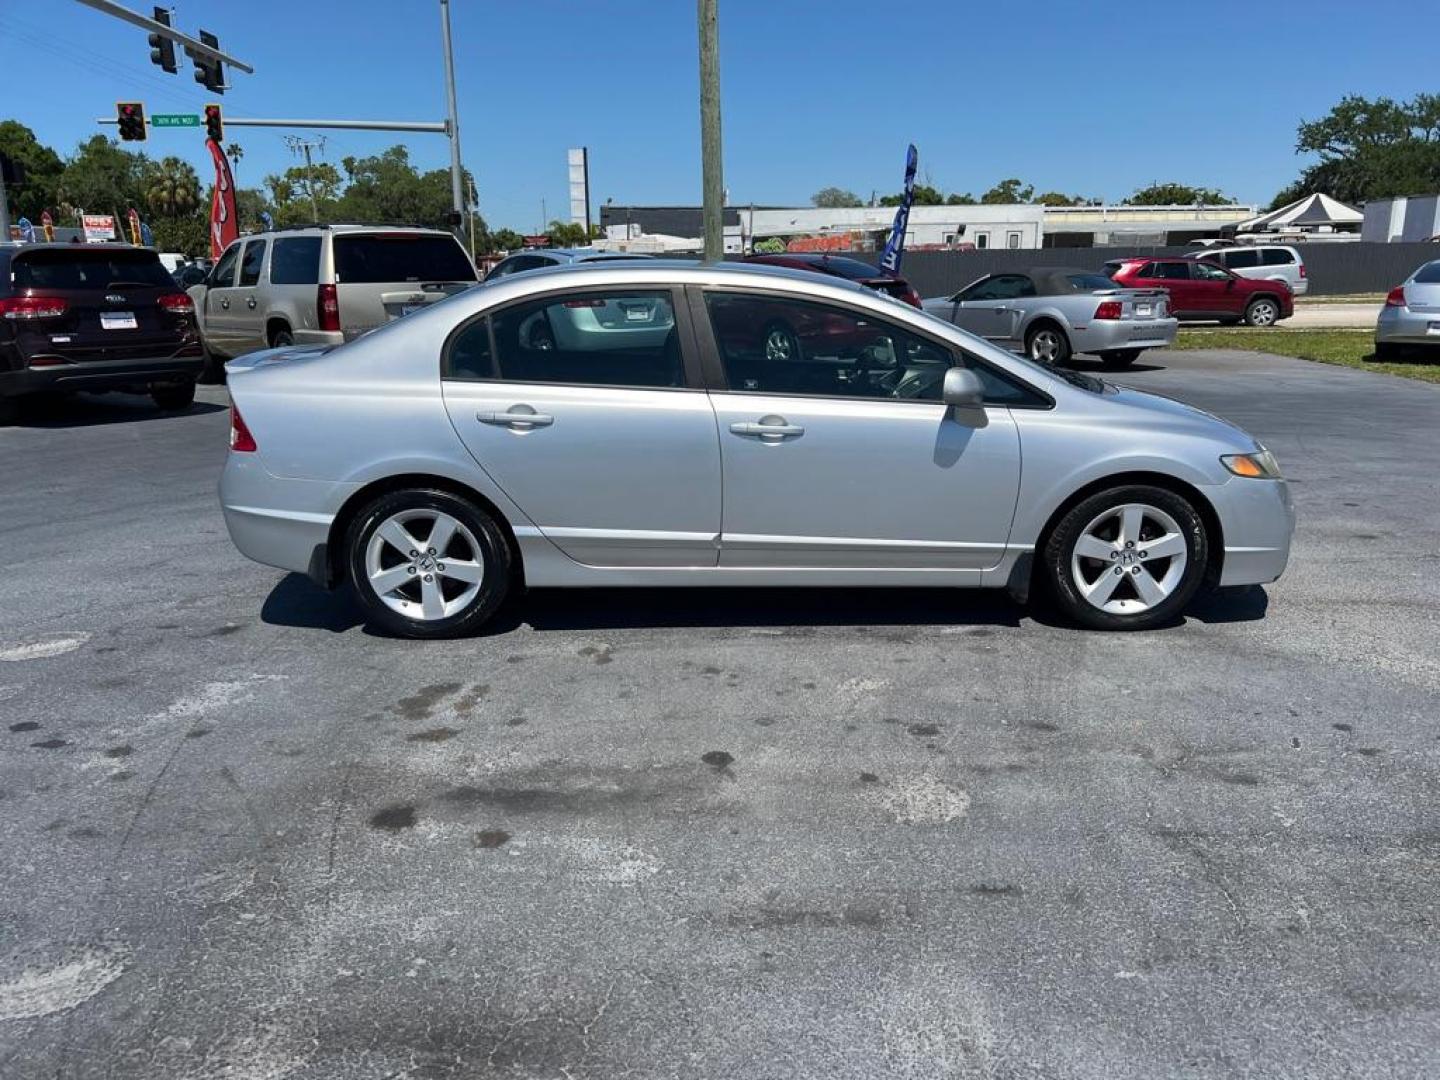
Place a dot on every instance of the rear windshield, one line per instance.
(386, 257)
(1429, 274)
(1083, 282)
(853, 269)
(101, 268)
(1113, 268)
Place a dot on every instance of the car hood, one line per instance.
(1155, 410)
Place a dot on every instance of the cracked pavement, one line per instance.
(757, 834)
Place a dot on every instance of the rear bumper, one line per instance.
(275, 521)
(320, 337)
(1401, 326)
(1112, 334)
(100, 375)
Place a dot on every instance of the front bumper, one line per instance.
(275, 521)
(100, 375)
(1401, 326)
(1109, 335)
(1257, 518)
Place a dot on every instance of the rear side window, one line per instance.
(1276, 257)
(296, 261)
(1241, 260)
(1429, 274)
(469, 356)
(251, 263)
(83, 269)
(376, 258)
(591, 339)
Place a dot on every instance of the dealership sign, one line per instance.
(98, 228)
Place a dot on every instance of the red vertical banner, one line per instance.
(224, 228)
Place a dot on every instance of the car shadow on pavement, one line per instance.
(1092, 366)
(1244, 603)
(90, 410)
(297, 601)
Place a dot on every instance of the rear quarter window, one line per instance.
(296, 261)
(1429, 274)
(393, 257)
(1241, 260)
(1276, 257)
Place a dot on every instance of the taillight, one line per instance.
(33, 307)
(911, 297)
(241, 441)
(1109, 309)
(177, 304)
(1302, 271)
(1396, 297)
(327, 308)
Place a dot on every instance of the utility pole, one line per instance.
(4, 210)
(457, 198)
(713, 180)
(298, 145)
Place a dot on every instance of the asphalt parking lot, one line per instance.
(694, 834)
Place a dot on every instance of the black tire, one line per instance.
(173, 397)
(1059, 549)
(9, 410)
(490, 549)
(780, 338)
(1046, 343)
(1119, 358)
(1388, 350)
(281, 338)
(1262, 312)
(212, 373)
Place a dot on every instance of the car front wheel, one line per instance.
(1262, 312)
(426, 563)
(1129, 558)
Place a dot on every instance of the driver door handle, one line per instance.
(766, 428)
(514, 419)
(250, 303)
(1001, 310)
(225, 303)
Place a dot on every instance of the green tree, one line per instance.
(304, 194)
(833, 197)
(1056, 198)
(387, 187)
(172, 189)
(1173, 194)
(506, 240)
(960, 198)
(101, 178)
(42, 171)
(250, 203)
(1007, 192)
(1370, 150)
(925, 195)
(566, 234)
(189, 235)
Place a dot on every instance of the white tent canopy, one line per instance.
(1311, 212)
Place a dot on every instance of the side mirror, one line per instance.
(962, 389)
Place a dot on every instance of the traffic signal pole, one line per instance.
(192, 45)
(436, 127)
(457, 197)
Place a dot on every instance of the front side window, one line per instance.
(251, 263)
(626, 339)
(296, 261)
(1209, 272)
(1173, 271)
(224, 274)
(1000, 287)
(775, 345)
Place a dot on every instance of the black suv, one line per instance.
(94, 317)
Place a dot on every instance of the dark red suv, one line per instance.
(1205, 290)
(872, 277)
(94, 317)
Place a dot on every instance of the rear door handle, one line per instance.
(1001, 309)
(225, 303)
(767, 428)
(519, 416)
(250, 303)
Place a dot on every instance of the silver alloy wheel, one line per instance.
(779, 344)
(410, 557)
(1045, 346)
(1129, 559)
(1263, 313)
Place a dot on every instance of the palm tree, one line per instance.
(234, 151)
(172, 189)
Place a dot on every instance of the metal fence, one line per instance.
(1333, 269)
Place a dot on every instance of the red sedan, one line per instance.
(1205, 290)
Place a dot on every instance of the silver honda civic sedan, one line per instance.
(525, 431)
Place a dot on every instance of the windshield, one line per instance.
(373, 258)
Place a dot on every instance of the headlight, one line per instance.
(1260, 465)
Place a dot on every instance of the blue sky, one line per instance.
(1086, 98)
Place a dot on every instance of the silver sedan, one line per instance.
(436, 462)
(1411, 315)
(1052, 313)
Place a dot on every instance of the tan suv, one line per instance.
(323, 284)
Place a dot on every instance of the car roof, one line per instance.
(678, 271)
(822, 261)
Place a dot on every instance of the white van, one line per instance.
(1263, 262)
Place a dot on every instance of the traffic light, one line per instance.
(131, 117)
(208, 71)
(162, 49)
(214, 123)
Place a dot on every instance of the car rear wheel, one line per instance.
(1388, 350)
(281, 337)
(428, 564)
(1129, 558)
(1262, 311)
(1047, 344)
(1119, 358)
(172, 397)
